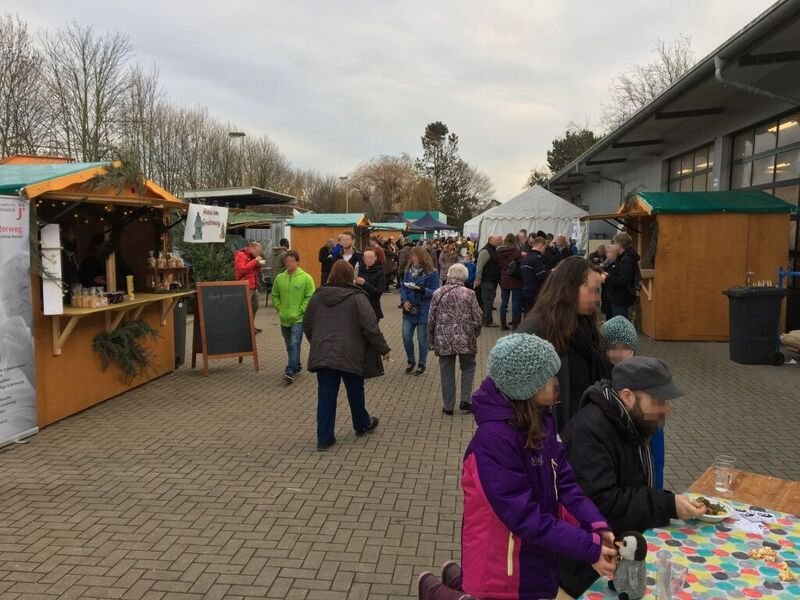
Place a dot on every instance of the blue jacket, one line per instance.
(472, 270)
(429, 283)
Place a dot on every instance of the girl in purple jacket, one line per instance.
(515, 478)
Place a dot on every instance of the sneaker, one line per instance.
(324, 446)
(373, 425)
(257, 330)
(410, 368)
(420, 370)
(288, 378)
(449, 413)
(466, 407)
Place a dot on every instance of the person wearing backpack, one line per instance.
(624, 278)
(509, 257)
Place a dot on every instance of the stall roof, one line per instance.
(394, 226)
(65, 181)
(14, 177)
(711, 202)
(248, 218)
(330, 220)
(429, 223)
(238, 196)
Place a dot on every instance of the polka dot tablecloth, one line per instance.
(718, 560)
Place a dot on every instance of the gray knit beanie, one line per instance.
(520, 364)
(618, 330)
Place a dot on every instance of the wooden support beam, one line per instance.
(59, 336)
(166, 306)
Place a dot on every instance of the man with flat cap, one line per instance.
(608, 447)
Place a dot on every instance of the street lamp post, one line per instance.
(240, 135)
(345, 179)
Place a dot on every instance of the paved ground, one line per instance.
(212, 488)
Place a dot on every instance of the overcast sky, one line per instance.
(335, 83)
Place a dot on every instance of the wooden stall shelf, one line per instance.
(113, 314)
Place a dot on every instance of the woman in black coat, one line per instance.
(372, 279)
(346, 345)
(565, 315)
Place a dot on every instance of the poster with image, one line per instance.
(205, 224)
(17, 391)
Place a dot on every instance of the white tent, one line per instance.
(534, 209)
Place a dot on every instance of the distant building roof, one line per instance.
(238, 196)
(665, 203)
(330, 220)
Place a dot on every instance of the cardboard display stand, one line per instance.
(223, 324)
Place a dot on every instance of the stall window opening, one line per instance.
(692, 171)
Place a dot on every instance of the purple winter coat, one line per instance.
(511, 534)
(454, 321)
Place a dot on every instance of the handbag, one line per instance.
(514, 269)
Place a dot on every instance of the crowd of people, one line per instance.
(569, 449)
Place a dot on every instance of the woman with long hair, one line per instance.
(565, 315)
(509, 257)
(346, 345)
(419, 283)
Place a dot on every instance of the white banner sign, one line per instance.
(206, 224)
(17, 392)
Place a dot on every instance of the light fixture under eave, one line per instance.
(788, 124)
(778, 166)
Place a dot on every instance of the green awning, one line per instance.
(326, 220)
(389, 226)
(15, 177)
(735, 201)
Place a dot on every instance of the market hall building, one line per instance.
(732, 122)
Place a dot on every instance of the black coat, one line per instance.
(553, 256)
(534, 272)
(343, 332)
(611, 461)
(621, 278)
(582, 365)
(374, 284)
(326, 260)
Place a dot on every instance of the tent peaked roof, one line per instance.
(429, 223)
(536, 201)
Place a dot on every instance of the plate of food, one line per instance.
(716, 511)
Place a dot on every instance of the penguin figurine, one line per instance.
(630, 580)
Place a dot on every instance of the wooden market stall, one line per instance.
(693, 246)
(389, 230)
(91, 203)
(310, 231)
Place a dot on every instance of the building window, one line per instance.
(691, 172)
(767, 157)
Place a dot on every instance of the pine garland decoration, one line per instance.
(124, 347)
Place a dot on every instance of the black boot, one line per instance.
(503, 325)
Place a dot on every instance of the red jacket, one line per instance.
(247, 268)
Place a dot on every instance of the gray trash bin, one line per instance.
(179, 325)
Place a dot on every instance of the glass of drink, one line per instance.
(723, 473)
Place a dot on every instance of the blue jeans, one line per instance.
(659, 454)
(516, 305)
(293, 336)
(328, 381)
(620, 310)
(422, 340)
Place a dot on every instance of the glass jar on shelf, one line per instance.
(161, 262)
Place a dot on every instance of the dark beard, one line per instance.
(645, 428)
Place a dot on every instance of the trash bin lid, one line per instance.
(751, 292)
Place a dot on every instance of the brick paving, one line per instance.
(211, 488)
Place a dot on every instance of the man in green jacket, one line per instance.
(291, 291)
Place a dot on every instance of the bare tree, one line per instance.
(137, 119)
(23, 110)
(385, 183)
(636, 88)
(86, 82)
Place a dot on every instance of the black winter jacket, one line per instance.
(343, 332)
(534, 272)
(621, 278)
(374, 284)
(611, 461)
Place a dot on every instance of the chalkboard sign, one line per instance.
(223, 323)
